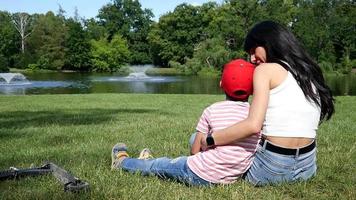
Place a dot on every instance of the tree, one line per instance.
(21, 22)
(127, 18)
(343, 29)
(327, 29)
(311, 25)
(109, 56)
(211, 56)
(177, 33)
(93, 29)
(77, 51)
(9, 41)
(283, 12)
(48, 41)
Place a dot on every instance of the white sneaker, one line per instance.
(117, 152)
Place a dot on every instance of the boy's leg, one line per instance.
(164, 167)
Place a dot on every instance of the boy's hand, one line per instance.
(196, 147)
(203, 144)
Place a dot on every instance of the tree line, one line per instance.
(193, 39)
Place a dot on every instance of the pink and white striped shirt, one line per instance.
(224, 164)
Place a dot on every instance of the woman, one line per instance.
(290, 98)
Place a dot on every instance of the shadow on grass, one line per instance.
(22, 119)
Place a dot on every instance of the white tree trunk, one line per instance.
(21, 22)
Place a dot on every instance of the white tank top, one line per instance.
(289, 113)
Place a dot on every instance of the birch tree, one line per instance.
(22, 22)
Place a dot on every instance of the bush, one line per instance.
(3, 64)
(326, 66)
(21, 61)
(210, 72)
(33, 67)
(210, 57)
(345, 66)
(176, 65)
(109, 56)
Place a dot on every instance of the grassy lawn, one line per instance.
(77, 133)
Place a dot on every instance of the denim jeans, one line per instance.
(166, 168)
(273, 168)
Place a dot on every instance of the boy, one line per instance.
(218, 164)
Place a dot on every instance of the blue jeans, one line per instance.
(273, 168)
(166, 168)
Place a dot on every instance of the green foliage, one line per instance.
(3, 64)
(109, 56)
(22, 60)
(325, 27)
(326, 66)
(284, 12)
(9, 41)
(209, 72)
(234, 19)
(327, 30)
(127, 18)
(77, 47)
(346, 64)
(94, 30)
(177, 33)
(33, 67)
(156, 71)
(210, 56)
(47, 41)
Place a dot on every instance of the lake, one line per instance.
(82, 83)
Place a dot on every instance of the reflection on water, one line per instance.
(79, 83)
(342, 85)
(26, 88)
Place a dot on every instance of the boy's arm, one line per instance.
(203, 127)
(196, 147)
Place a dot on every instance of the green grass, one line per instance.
(77, 132)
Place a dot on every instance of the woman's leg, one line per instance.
(273, 168)
(305, 167)
(175, 169)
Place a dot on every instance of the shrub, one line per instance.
(326, 66)
(109, 56)
(3, 64)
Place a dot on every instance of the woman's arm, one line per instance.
(253, 123)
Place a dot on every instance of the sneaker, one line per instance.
(145, 154)
(117, 153)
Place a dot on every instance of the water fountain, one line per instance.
(17, 83)
(137, 81)
(13, 79)
(139, 72)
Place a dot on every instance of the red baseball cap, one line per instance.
(236, 79)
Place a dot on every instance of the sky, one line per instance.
(89, 8)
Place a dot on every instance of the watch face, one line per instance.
(210, 140)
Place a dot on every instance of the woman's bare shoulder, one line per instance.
(274, 72)
(270, 67)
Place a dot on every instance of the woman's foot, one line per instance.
(118, 154)
(145, 154)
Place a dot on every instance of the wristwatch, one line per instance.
(210, 140)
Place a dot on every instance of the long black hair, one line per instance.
(281, 45)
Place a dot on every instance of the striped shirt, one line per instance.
(224, 164)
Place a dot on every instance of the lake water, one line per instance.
(81, 83)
